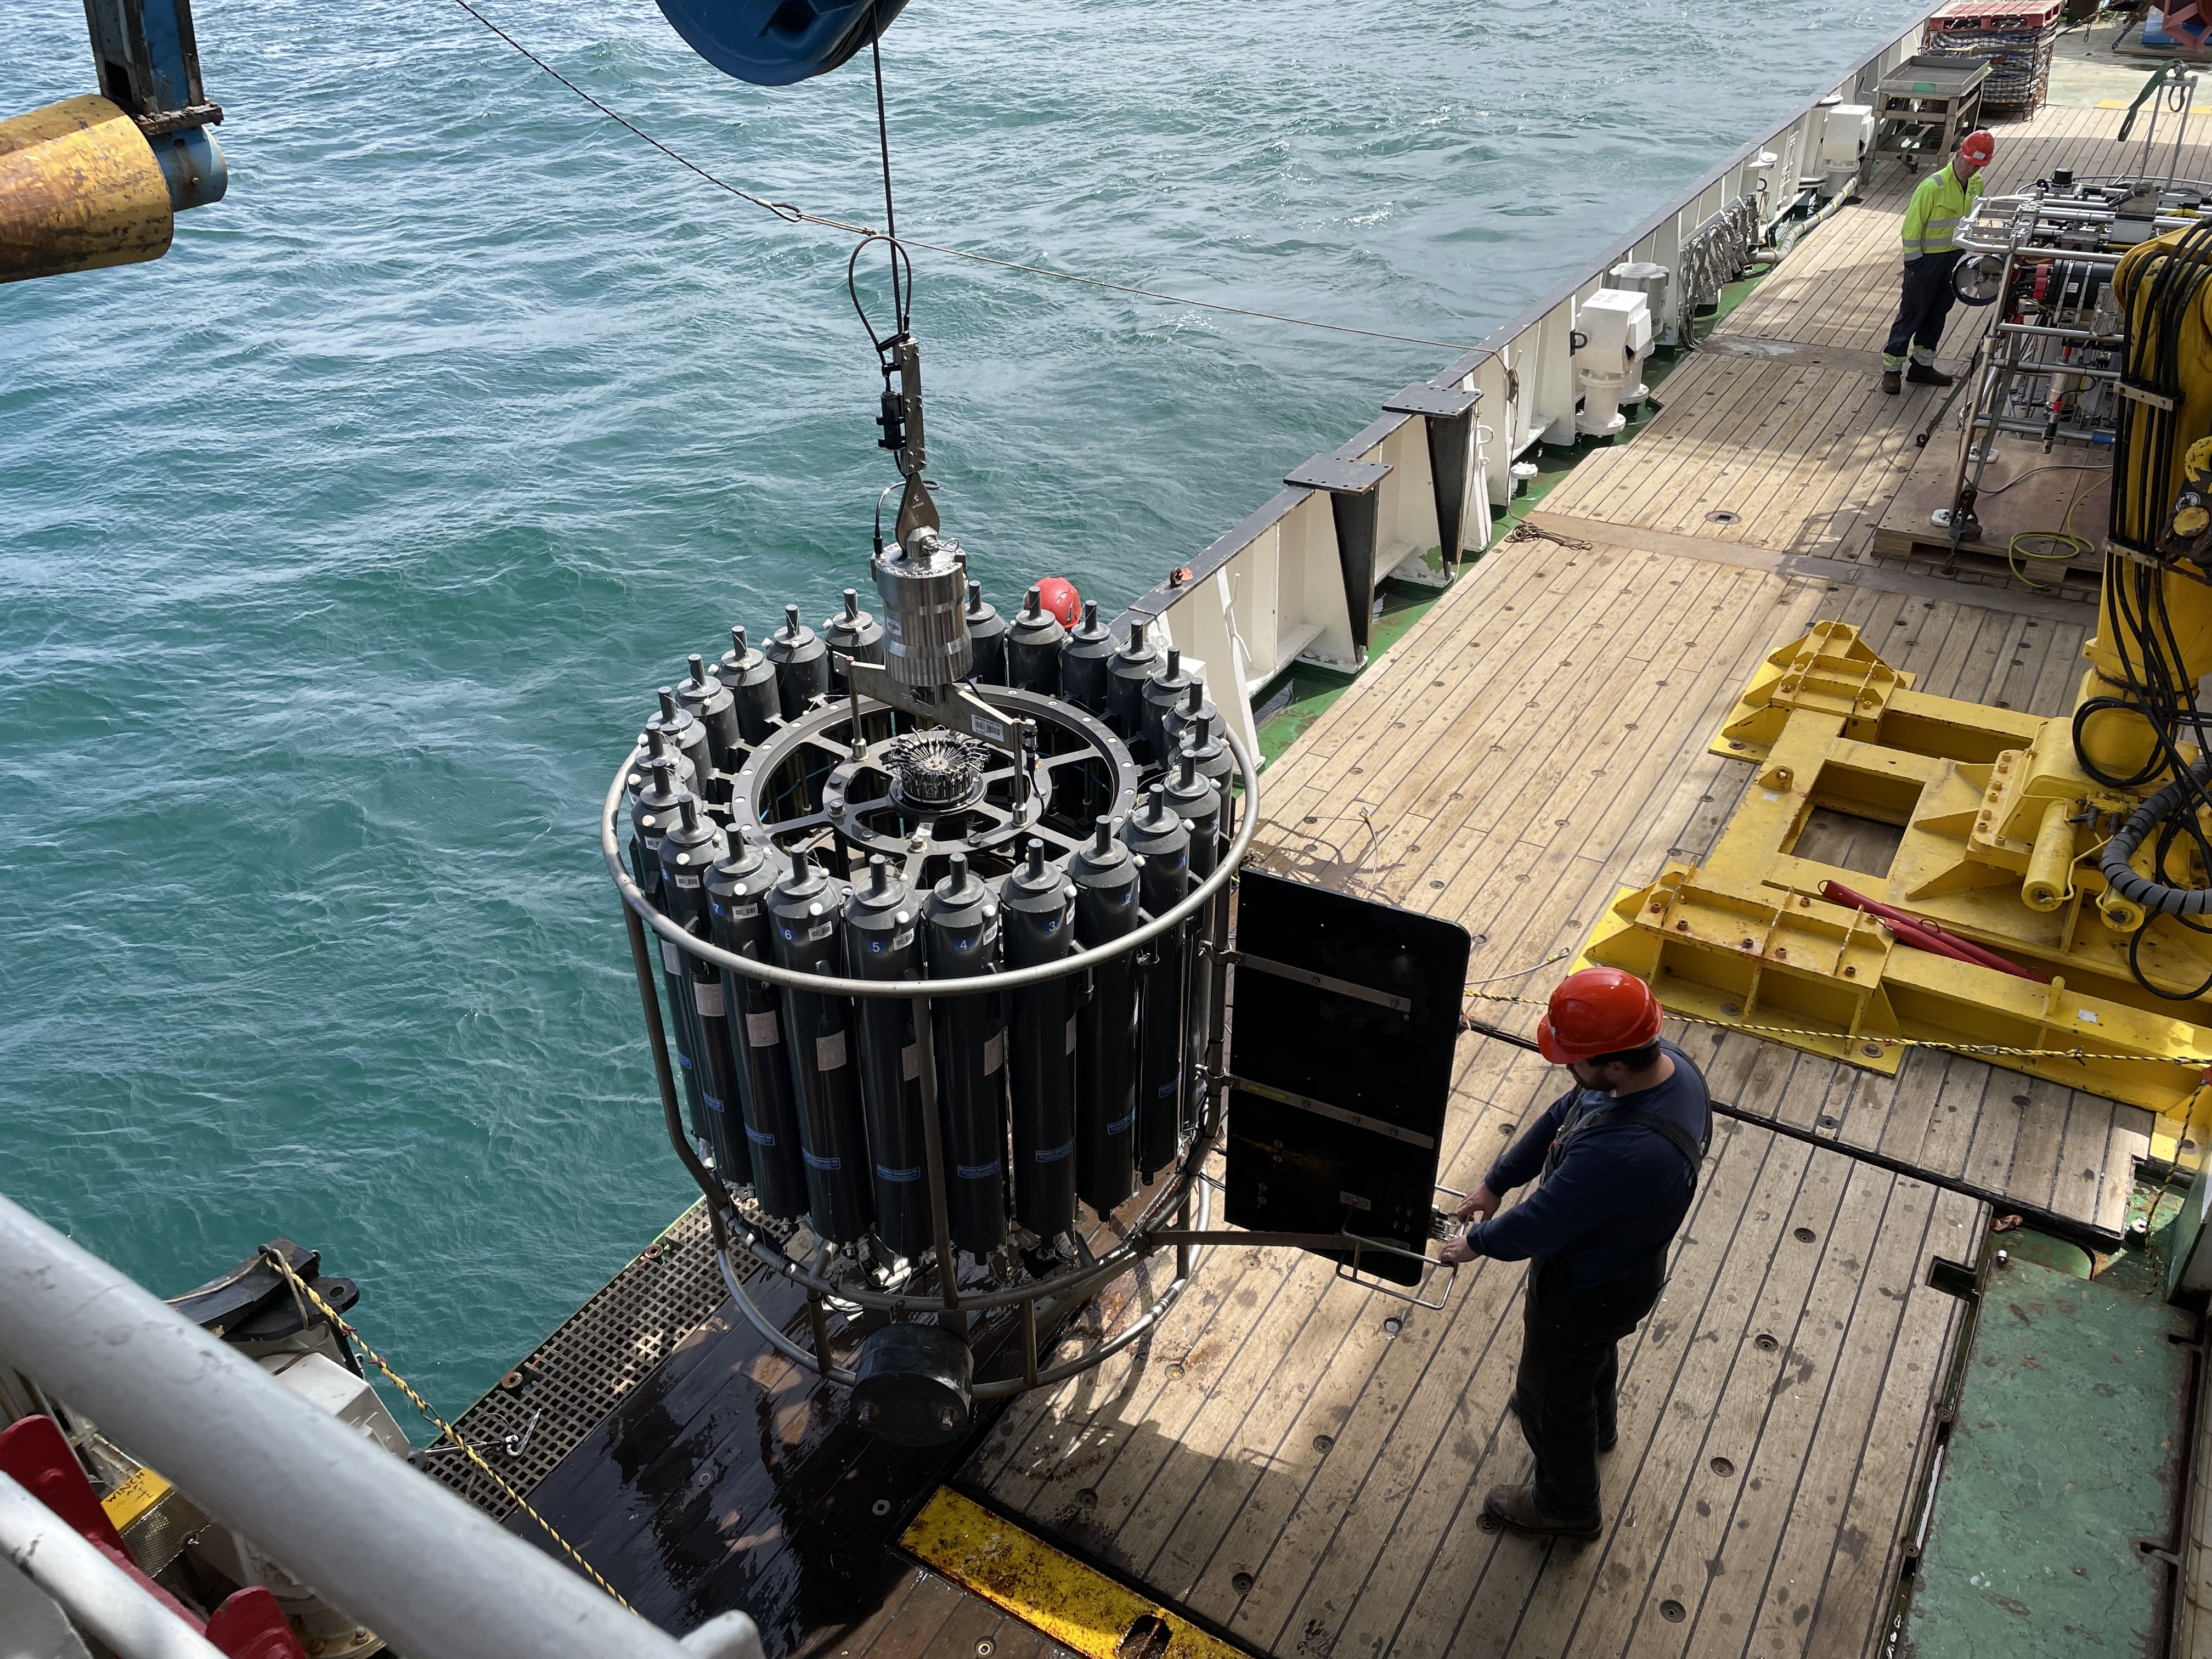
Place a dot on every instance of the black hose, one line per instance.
(2122, 877)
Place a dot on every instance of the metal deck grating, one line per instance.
(586, 1367)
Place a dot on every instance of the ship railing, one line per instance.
(431, 1575)
(1296, 581)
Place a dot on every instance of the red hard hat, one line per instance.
(1977, 147)
(1057, 594)
(1599, 1010)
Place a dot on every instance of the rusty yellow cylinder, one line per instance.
(79, 189)
(2049, 880)
(2121, 915)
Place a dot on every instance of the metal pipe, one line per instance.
(399, 1554)
(2083, 1233)
(634, 900)
(642, 959)
(2106, 341)
(99, 1597)
(818, 1326)
(2077, 256)
(2024, 427)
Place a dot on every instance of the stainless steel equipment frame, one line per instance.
(1177, 1217)
(2018, 365)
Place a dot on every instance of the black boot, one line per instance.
(1926, 375)
(1892, 382)
(1516, 1507)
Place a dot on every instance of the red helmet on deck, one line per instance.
(1057, 594)
(1599, 1010)
(1977, 147)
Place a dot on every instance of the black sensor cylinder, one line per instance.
(802, 663)
(986, 636)
(883, 940)
(833, 1141)
(1033, 642)
(1105, 878)
(737, 897)
(1039, 909)
(962, 917)
(693, 846)
(1161, 845)
(1084, 655)
(752, 679)
(1127, 674)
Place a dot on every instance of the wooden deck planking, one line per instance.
(925, 1615)
(1838, 287)
(1805, 452)
(1534, 740)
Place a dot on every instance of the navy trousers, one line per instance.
(1565, 1388)
(1920, 316)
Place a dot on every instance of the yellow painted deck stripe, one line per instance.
(134, 1497)
(1080, 1608)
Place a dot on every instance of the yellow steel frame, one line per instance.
(1075, 1606)
(1987, 800)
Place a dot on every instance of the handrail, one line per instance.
(391, 1549)
(99, 1596)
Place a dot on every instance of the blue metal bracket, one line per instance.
(149, 67)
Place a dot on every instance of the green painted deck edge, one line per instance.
(1296, 698)
(2070, 1411)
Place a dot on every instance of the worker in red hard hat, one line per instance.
(1943, 201)
(1617, 1159)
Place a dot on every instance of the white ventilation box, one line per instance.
(1845, 132)
(1615, 325)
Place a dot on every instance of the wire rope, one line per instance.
(792, 214)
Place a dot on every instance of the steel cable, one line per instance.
(792, 214)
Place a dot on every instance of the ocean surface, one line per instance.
(340, 550)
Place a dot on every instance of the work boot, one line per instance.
(1516, 1507)
(1892, 381)
(1926, 375)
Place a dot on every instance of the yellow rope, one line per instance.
(447, 1430)
(2076, 545)
(2078, 1053)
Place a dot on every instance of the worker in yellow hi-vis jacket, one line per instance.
(1931, 249)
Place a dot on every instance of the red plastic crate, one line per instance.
(1995, 16)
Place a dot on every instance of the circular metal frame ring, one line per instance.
(857, 814)
(1011, 979)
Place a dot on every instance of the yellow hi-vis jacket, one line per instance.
(1931, 221)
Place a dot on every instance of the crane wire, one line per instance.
(790, 213)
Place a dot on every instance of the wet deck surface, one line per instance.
(1279, 1461)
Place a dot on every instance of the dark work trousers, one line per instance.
(1920, 315)
(1570, 1367)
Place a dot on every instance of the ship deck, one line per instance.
(1297, 1462)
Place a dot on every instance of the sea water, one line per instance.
(340, 550)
